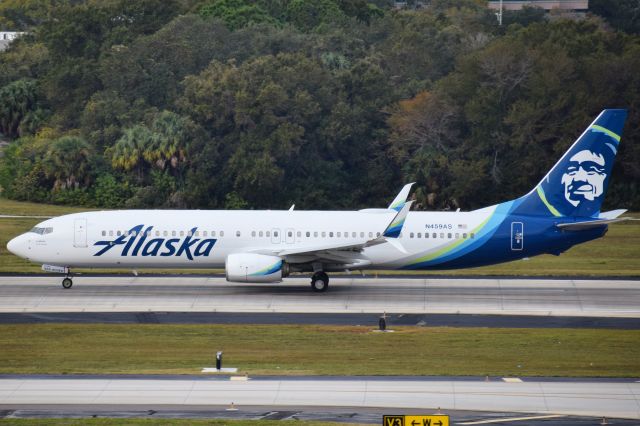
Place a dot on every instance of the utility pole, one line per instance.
(499, 14)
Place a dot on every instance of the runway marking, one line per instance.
(511, 380)
(512, 419)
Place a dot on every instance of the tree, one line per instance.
(129, 152)
(68, 162)
(19, 99)
(237, 13)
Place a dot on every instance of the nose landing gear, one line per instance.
(320, 282)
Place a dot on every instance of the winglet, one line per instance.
(401, 198)
(395, 227)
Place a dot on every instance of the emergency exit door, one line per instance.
(80, 233)
(517, 235)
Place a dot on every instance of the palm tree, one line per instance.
(129, 151)
(68, 162)
(171, 137)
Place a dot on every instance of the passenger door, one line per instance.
(80, 233)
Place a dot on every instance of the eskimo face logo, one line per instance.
(584, 178)
(134, 243)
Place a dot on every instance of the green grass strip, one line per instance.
(318, 350)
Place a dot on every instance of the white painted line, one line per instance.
(511, 380)
(238, 378)
(512, 419)
(222, 370)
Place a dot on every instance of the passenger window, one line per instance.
(473, 235)
(411, 235)
(268, 233)
(308, 234)
(222, 233)
(377, 234)
(104, 233)
(260, 234)
(299, 234)
(370, 234)
(457, 235)
(182, 233)
(353, 235)
(197, 233)
(442, 235)
(111, 233)
(253, 233)
(315, 234)
(419, 234)
(435, 235)
(118, 233)
(275, 234)
(324, 234)
(290, 234)
(173, 233)
(204, 233)
(213, 233)
(165, 233)
(361, 234)
(237, 233)
(331, 234)
(339, 234)
(464, 235)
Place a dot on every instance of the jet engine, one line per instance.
(255, 268)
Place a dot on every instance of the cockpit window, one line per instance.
(41, 231)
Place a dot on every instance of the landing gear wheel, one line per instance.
(319, 282)
(67, 283)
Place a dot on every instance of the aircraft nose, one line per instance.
(17, 246)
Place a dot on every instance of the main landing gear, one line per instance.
(67, 282)
(319, 281)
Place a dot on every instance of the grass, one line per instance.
(166, 422)
(617, 254)
(317, 350)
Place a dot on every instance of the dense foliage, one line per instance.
(322, 103)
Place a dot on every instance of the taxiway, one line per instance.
(480, 296)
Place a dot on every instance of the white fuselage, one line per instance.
(204, 238)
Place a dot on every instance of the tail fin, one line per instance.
(577, 184)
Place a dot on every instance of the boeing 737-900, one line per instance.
(264, 246)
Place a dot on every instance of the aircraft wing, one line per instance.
(348, 254)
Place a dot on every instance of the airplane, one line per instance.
(562, 210)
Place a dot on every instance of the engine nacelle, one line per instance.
(255, 268)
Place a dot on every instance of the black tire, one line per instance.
(319, 282)
(67, 283)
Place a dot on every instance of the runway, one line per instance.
(538, 397)
(481, 296)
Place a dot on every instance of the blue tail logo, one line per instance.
(577, 184)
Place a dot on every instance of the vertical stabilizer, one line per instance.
(577, 184)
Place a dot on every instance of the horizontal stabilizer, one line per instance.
(581, 226)
(612, 214)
